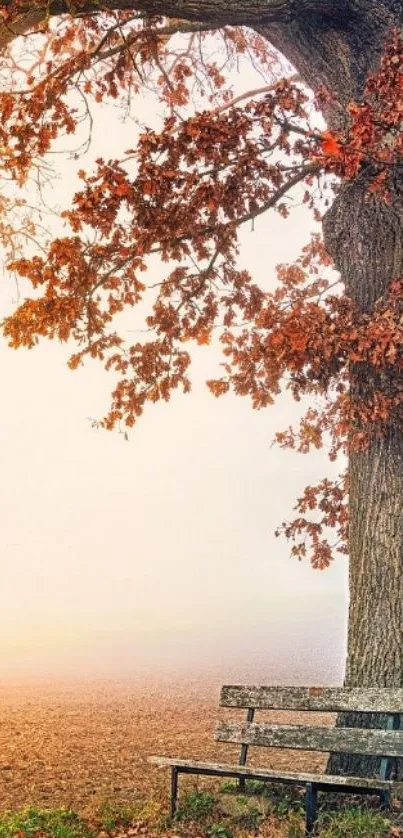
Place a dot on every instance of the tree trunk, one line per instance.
(365, 238)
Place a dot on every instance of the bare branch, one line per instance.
(250, 94)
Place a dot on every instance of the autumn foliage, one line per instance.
(183, 192)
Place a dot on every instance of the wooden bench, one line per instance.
(386, 743)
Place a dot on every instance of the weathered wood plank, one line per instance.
(323, 699)
(268, 774)
(344, 740)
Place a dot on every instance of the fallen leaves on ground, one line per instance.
(81, 743)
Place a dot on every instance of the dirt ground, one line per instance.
(82, 744)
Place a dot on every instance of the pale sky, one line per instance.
(158, 553)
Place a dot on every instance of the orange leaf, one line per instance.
(204, 337)
(330, 145)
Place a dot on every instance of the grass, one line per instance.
(251, 787)
(112, 816)
(278, 814)
(354, 823)
(218, 830)
(197, 805)
(201, 814)
(149, 811)
(31, 822)
(274, 799)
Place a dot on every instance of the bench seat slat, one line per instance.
(321, 699)
(384, 743)
(268, 774)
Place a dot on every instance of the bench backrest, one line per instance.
(322, 699)
(384, 743)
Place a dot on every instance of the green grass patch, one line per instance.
(256, 787)
(196, 806)
(251, 787)
(31, 822)
(203, 814)
(230, 787)
(219, 830)
(354, 823)
(112, 816)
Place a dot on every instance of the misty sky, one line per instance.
(158, 553)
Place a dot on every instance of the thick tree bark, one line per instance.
(239, 12)
(365, 238)
(216, 12)
(334, 44)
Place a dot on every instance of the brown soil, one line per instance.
(81, 744)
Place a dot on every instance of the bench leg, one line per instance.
(311, 806)
(385, 799)
(174, 790)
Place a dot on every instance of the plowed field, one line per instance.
(81, 744)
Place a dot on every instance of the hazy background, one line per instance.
(157, 554)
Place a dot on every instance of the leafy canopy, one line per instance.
(219, 161)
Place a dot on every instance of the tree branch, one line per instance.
(250, 94)
(212, 12)
(163, 32)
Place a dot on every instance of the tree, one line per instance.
(184, 192)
